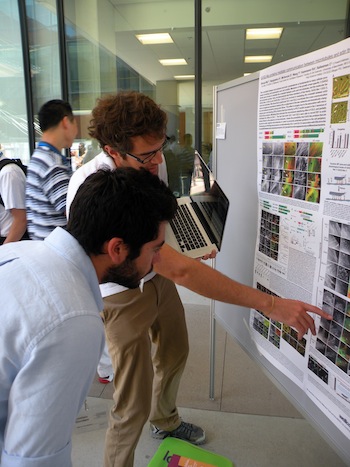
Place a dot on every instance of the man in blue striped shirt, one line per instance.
(49, 171)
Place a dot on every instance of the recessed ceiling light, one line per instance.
(161, 38)
(247, 74)
(263, 33)
(257, 58)
(184, 77)
(173, 61)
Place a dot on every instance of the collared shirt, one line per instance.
(100, 161)
(46, 191)
(12, 191)
(51, 339)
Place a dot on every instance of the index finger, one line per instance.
(318, 311)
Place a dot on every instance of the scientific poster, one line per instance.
(303, 241)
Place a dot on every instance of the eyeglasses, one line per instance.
(148, 156)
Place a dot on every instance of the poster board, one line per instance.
(235, 157)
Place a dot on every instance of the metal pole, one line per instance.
(27, 74)
(198, 75)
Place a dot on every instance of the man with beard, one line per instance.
(131, 130)
(51, 330)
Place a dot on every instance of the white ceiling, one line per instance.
(308, 25)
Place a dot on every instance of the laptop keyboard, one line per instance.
(186, 231)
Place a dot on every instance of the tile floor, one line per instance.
(249, 421)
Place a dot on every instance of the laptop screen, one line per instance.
(209, 199)
(196, 181)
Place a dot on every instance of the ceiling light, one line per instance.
(246, 74)
(173, 61)
(184, 77)
(263, 33)
(257, 58)
(161, 38)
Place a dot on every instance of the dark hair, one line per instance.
(119, 117)
(125, 203)
(52, 112)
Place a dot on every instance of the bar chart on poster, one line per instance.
(284, 162)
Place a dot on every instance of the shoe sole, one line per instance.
(196, 443)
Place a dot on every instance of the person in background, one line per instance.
(13, 219)
(92, 151)
(131, 129)
(49, 171)
(51, 333)
(186, 159)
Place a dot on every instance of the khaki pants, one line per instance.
(132, 321)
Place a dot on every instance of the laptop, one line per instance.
(198, 226)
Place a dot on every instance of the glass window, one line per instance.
(13, 114)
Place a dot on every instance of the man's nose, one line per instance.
(158, 158)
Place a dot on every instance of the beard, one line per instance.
(125, 274)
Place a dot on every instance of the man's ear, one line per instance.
(115, 155)
(117, 250)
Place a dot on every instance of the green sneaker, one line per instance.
(185, 431)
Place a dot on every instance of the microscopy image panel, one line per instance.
(333, 342)
(320, 346)
(300, 178)
(327, 308)
(344, 351)
(329, 282)
(341, 86)
(336, 330)
(340, 304)
(338, 112)
(265, 185)
(287, 190)
(341, 287)
(313, 195)
(299, 192)
(278, 148)
(335, 228)
(345, 337)
(331, 269)
(343, 274)
(290, 148)
(275, 188)
(302, 149)
(288, 176)
(326, 323)
(345, 245)
(328, 297)
(316, 149)
(267, 161)
(344, 260)
(314, 180)
(277, 162)
(301, 163)
(334, 242)
(339, 317)
(289, 163)
(331, 354)
(314, 164)
(345, 231)
(341, 363)
(276, 175)
(347, 323)
(333, 255)
(267, 148)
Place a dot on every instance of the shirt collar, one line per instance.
(68, 247)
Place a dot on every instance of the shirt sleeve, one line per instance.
(55, 186)
(48, 393)
(13, 187)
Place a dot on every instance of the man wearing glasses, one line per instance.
(131, 130)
